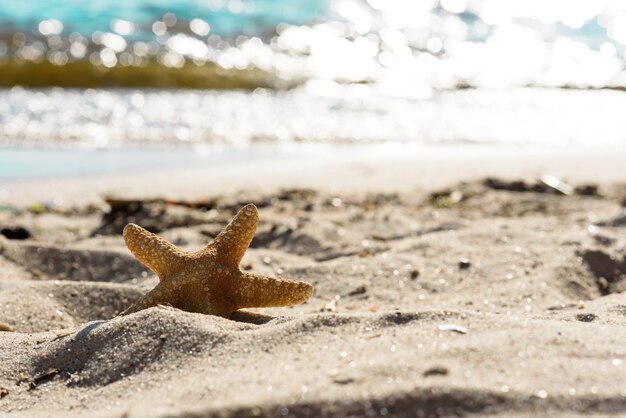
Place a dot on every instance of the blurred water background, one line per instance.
(198, 73)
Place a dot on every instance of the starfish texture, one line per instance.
(209, 281)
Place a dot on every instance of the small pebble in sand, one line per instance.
(603, 284)
(587, 190)
(603, 240)
(358, 291)
(464, 263)
(556, 185)
(436, 371)
(18, 232)
(343, 381)
(332, 305)
(586, 317)
(453, 328)
(6, 327)
(60, 333)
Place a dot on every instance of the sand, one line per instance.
(483, 297)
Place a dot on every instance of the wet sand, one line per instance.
(438, 292)
(392, 167)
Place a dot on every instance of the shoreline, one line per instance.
(386, 167)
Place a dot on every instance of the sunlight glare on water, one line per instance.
(357, 70)
(444, 43)
(109, 118)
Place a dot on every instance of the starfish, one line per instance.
(209, 281)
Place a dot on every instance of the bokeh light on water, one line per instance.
(422, 43)
(313, 69)
(343, 114)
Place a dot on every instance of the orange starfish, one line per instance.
(209, 281)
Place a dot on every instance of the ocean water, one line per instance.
(135, 18)
(593, 23)
(203, 119)
(428, 72)
(404, 45)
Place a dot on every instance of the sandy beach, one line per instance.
(443, 287)
(437, 187)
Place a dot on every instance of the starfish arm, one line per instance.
(157, 296)
(231, 244)
(257, 291)
(154, 252)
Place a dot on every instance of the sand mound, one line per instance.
(78, 264)
(34, 306)
(182, 364)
